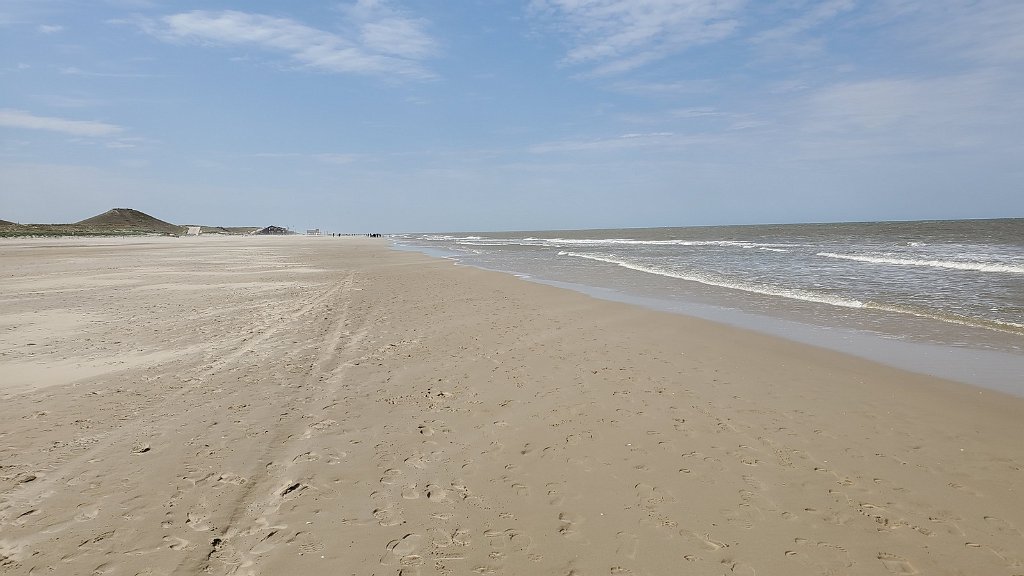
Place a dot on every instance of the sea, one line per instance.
(940, 297)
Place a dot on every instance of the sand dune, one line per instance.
(327, 406)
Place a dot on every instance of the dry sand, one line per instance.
(326, 406)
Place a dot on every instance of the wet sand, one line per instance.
(330, 406)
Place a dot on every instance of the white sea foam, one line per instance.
(711, 280)
(632, 242)
(948, 264)
(597, 242)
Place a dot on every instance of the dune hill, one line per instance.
(115, 222)
(130, 219)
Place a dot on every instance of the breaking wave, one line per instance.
(948, 264)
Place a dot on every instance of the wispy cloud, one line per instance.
(65, 101)
(898, 104)
(615, 36)
(801, 18)
(386, 30)
(665, 89)
(911, 115)
(617, 143)
(383, 40)
(74, 71)
(696, 113)
(50, 28)
(337, 159)
(26, 120)
(333, 158)
(986, 31)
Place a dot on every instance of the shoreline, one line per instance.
(310, 406)
(993, 361)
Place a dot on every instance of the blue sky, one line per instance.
(487, 115)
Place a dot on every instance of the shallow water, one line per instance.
(942, 297)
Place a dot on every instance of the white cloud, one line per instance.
(986, 31)
(647, 135)
(911, 115)
(337, 159)
(74, 71)
(616, 36)
(389, 31)
(807, 18)
(665, 89)
(50, 28)
(277, 155)
(696, 113)
(885, 105)
(615, 144)
(21, 119)
(64, 101)
(386, 42)
(331, 158)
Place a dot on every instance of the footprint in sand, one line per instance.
(87, 515)
(754, 482)
(197, 521)
(306, 457)
(896, 565)
(569, 524)
(435, 493)
(521, 489)
(272, 540)
(626, 544)
(493, 448)
(24, 517)
(401, 551)
(440, 538)
(175, 543)
(651, 496)
(448, 541)
(390, 476)
(459, 486)
(388, 517)
(291, 489)
(410, 492)
(231, 478)
(519, 541)
(510, 540)
(555, 497)
(704, 540)
(1003, 526)
(460, 537)
(740, 568)
(419, 461)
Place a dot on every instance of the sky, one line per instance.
(463, 115)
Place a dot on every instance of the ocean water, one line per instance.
(943, 297)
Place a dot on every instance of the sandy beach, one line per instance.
(331, 406)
